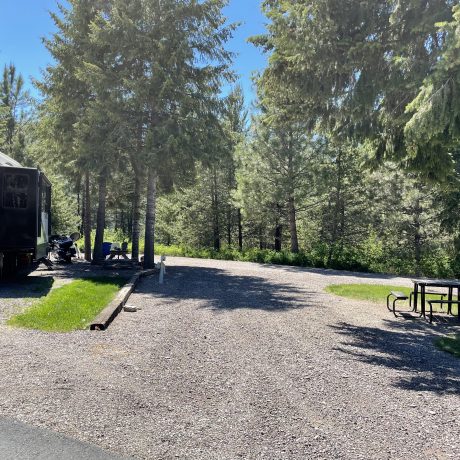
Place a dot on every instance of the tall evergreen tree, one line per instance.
(76, 110)
(235, 125)
(433, 131)
(168, 62)
(13, 104)
(352, 67)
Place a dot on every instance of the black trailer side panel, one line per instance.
(44, 216)
(18, 209)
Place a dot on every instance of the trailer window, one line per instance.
(15, 191)
(44, 198)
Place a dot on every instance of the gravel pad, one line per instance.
(233, 360)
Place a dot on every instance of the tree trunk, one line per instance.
(124, 230)
(79, 203)
(240, 231)
(291, 202)
(335, 219)
(229, 230)
(98, 256)
(341, 229)
(215, 207)
(138, 181)
(278, 237)
(417, 236)
(136, 217)
(87, 218)
(293, 225)
(149, 251)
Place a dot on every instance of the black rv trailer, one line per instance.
(25, 220)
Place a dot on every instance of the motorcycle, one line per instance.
(62, 248)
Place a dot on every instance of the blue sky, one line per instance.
(24, 22)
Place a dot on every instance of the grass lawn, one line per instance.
(70, 307)
(374, 293)
(450, 344)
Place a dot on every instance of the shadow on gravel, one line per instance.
(30, 286)
(407, 348)
(222, 290)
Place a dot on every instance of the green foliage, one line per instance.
(266, 256)
(433, 130)
(64, 218)
(436, 264)
(136, 82)
(373, 251)
(350, 68)
(70, 307)
(351, 158)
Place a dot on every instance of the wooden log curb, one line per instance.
(110, 312)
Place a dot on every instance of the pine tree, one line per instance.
(433, 131)
(168, 63)
(14, 101)
(76, 110)
(352, 67)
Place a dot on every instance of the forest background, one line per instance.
(349, 158)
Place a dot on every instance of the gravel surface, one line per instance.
(231, 360)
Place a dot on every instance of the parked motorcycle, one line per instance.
(63, 248)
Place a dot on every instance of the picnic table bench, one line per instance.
(441, 302)
(398, 295)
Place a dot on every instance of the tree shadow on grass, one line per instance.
(30, 287)
(39, 286)
(223, 290)
(408, 348)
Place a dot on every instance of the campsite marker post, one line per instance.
(161, 265)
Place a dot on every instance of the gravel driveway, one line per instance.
(234, 360)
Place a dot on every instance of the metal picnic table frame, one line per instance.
(118, 252)
(420, 287)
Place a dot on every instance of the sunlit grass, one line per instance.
(69, 307)
(375, 293)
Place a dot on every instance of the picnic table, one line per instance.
(420, 288)
(119, 252)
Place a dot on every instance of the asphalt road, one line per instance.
(22, 442)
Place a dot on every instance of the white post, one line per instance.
(162, 268)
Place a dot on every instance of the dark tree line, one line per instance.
(349, 159)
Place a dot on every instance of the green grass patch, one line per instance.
(70, 307)
(451, 344)
(371, 292)
(374, 293)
